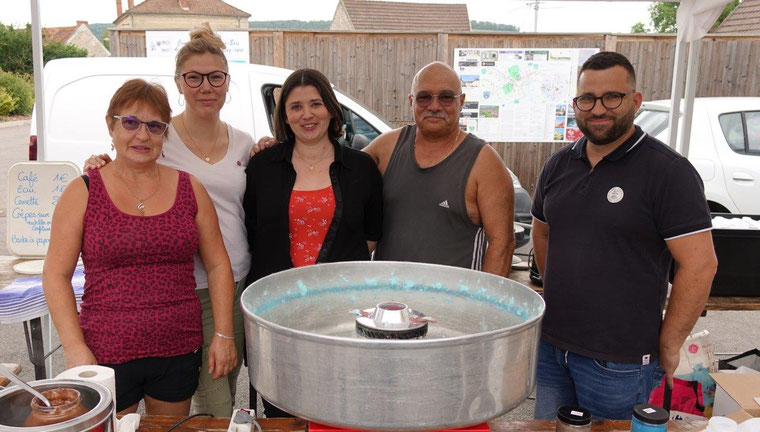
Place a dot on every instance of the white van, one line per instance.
(78, 90)
(724, 148)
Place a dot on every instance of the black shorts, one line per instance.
(168, 379)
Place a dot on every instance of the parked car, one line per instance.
(78, 90)
(724, 148)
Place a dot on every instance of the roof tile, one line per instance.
(195, 7)
(744, 19)
(384, 15)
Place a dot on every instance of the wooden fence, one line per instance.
(376, 68)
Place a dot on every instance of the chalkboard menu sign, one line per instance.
(33, 191)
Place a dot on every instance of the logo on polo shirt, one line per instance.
(615, 195)
(444, 203)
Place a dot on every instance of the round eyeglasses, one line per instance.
(132, 124)
(195, 79)
(609, 100)
(445, 98)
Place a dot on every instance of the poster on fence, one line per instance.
(520, 95)
(167, 43)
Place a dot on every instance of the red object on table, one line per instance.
(318, 427)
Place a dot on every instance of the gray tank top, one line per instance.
(424, 212)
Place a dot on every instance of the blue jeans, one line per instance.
(609, 390)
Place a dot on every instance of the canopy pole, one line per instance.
(676, 92)
(39, 93)
(692, 72)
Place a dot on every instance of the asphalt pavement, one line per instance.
(731, 331)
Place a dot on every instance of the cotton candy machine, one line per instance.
(92, 410)
(310, 355)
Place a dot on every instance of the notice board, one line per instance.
(520, 95)
(33, 191)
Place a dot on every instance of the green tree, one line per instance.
(105, 39)
(639, 27)
(16, 50)
(663, 16)
(492, 26)
(55, 50)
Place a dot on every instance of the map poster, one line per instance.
(520, 95)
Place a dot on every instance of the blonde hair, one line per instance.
(202, 40)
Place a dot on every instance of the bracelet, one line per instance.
(225, 336)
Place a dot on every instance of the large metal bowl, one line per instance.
(475, 364)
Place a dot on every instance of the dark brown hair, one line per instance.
(140, 92)
(608, 59)
(308, 77)
(202, 40)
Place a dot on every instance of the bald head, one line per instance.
(439, 73)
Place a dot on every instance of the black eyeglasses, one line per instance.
(195, 79)
(132, 124)
(445, 98)
(609, 100)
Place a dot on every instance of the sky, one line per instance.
(558, 16)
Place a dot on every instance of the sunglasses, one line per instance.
(132, 124)
(195, 79)
(445, 98)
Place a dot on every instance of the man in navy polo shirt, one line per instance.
(610, 213)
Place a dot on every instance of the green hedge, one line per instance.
(7, 102)
(20, 89)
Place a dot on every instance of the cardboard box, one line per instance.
(739, 416)
(736, 392)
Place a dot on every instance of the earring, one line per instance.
(162, 154)
(181, 100)
(112, 147)
(229, 98)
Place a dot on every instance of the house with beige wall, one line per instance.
(78, 35)
(180, 14)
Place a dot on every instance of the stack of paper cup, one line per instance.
(97, 374)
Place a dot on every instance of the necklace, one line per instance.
(206, 157)
(311, 164)
(141, 201)
(450, 146)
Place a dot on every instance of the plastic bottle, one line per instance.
(573, 419)
(649, 418)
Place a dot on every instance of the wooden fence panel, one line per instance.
(262, 48)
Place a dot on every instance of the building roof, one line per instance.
(384, 15)
(745, 18)
(187, 7)
(60, 34)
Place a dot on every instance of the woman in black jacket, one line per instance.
(309, 200)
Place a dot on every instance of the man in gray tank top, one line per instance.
(448, 198)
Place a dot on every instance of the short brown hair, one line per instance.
(202, 40)
(606, 60)
(139, 91)
(308, 77)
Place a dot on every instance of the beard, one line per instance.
(608, 134)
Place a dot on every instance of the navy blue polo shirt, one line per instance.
(606, 274)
